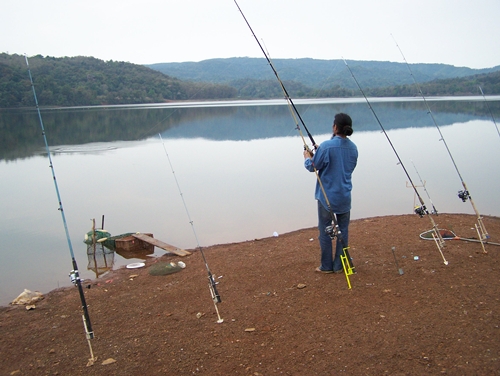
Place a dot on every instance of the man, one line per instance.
(335, 160)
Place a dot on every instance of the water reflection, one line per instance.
(100, 259)
(71, 128)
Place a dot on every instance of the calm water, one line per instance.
(239, 167)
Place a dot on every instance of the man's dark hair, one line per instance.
(343, 123)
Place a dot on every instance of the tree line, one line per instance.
(265, 89)
(489, 83)
(87, 81)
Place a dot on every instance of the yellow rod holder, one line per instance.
(346, 265)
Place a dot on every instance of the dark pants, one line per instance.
(328, 261)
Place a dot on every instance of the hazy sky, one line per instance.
(457, 32)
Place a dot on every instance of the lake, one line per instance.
(238, 165)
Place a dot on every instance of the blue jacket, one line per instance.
(335, 160)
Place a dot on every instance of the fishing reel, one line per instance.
(330, 231)
(73, 276)
(463, 195)
(213, 289)
(421, 210)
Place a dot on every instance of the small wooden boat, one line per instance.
(130, 243)
(133, 243)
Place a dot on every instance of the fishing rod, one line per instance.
(420, 210)
(211, 281)
(489, 109)
(464, 195)
(334, 230)
(74, 274)
(434, 210)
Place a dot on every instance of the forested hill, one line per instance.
(86, 81)
(313, 73)
(311, 78)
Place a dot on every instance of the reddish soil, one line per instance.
(280, 316)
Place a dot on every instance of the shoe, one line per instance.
(319, 270)
(338, 271)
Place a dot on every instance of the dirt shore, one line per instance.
(280, 316)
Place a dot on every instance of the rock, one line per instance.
(108, 361)
(28, 297)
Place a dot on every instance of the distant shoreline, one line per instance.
(260, 102)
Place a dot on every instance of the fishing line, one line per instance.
(211, 281)
(489, 109)
(174, 110)
(463, 195)
(334, 230)
(330, 75)
(420, 210)
(317, 91)
(293, 111)
(75, 275)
